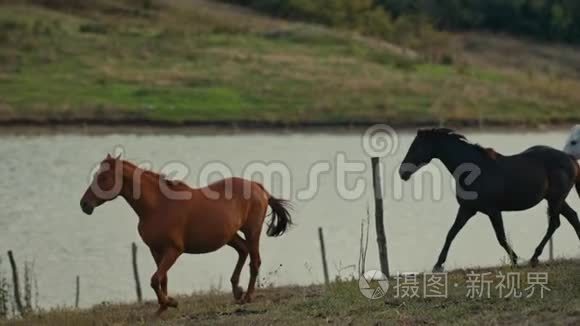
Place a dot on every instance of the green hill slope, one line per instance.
(205, 61)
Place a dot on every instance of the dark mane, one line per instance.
(452, 134)
(157, 176)
(441, 132)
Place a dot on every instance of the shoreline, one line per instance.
(146, 126)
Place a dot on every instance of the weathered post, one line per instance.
(136, 272)
(379, 223)
(78, 292)
(16, 284)
(323, 253)
(551, 248)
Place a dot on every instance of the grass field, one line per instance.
(341, 303)
(205, 61)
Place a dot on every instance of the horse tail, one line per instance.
(281, 220)
(577, 170)
(578, 179)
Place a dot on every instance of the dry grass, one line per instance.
(341, 303)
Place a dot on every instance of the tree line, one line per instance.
(554, 20)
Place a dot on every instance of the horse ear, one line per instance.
(109, 156)
(118, 157)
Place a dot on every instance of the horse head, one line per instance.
(105, 186)
(420, 153)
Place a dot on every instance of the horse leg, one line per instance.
(572, 217)
(167, 259)
(463, 215)
(497, 222)
(157, 258)
(553, 224)
(239, 244)
(255, 262)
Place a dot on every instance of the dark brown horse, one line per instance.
(491, 183)
(175, 219)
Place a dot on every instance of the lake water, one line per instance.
(43, 178)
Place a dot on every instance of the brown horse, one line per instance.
(175, 219)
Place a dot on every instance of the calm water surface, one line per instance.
(44, 177)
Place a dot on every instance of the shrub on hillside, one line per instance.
(98, 4)
(364, 16)
(61, 4)
(546, 19)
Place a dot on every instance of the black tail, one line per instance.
(577, 170)
(578, 185)
(280, 221)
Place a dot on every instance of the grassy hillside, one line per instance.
(341, 303)
(205, 61)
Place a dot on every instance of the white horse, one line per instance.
(572, 146)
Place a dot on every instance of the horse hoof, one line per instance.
(514, 259)
(238, 293)
(438, 269)
(245, 299)
(160, 311)
(248, 299)
(534, 262)
(172, 302)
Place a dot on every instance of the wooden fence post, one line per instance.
(379, 223)
(323, 253)
(16, 284)
(551, 248)
(136, 272)
(78, 292)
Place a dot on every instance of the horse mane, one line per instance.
(492, 153)
(157, 176)
(452, 134)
